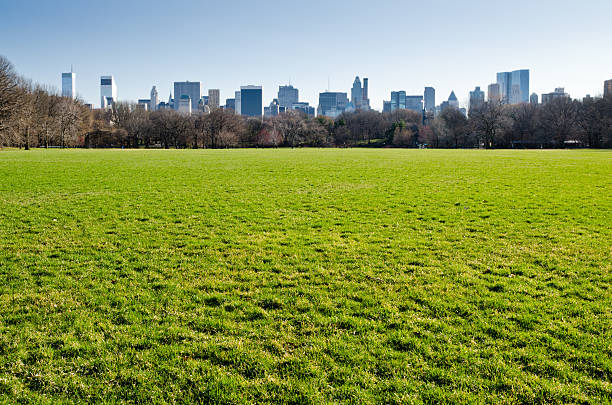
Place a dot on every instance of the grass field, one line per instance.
(306, 276)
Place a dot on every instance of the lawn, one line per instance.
(305, 276)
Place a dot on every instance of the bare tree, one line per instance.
(455, 124)
(486, 120)
(560, 120)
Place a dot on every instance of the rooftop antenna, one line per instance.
(71, 70)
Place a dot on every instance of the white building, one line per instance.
(108, 91)
(69, 85)
(184, 104)
(154, 99)
(238, 98)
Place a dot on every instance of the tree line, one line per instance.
(33, 116)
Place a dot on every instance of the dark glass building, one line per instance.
(251, 101)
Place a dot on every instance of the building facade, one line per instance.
(430, 99)
(557, 94)
(452, 100)
(230, 104)
(251, 101)
(287, 95)
(414, 103)
(184, 104)
(237, 102)
(191, 89)
(154, 99)
(69, 85)
(214, 99)
(533, 99)
(332, 104)
(508, 92)
(108, 91)
(477, 98)
(398, 100)
(494, 93)
(608, 88)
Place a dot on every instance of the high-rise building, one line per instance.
(230, 104)
(332, 104)
(273, 109)
(477, 98)
(69, 85)
(557, 94)
(287, 95)
(533, 99)
(386, 106)
(357, 94)
(184, 104)
(398, 100)
(214, 99)
(452, 100)
(494, 94)
(237, 98)
(608, 88)
(414, 103)
(108, 91)
(430, 99)
(366, 97)
(251, 101)
(144, 103)
(303, 107)
(507, 81)
(191, 89)
(154, 99)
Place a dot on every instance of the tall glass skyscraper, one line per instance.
(68, 85)
(287, 96)
(430, 99)
(398, 100)
(332, 104)
(251, 101)
(507, 80)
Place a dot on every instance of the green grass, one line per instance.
(306, 276)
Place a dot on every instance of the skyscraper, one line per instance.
(414, 103)
(332, 104)
(237, 102)
(507, 80)
(154, 99)
(214, 99)
(452, 100)
(386, 106)
(533, 99)
(398, 100)
(69, 85)
(191, 89)
(230, 104)
(430, 99)
(287, 95)
(357, 94)
(520, 78)
(494, 94)
(608, 88)
(108, 91)
(184, 104)
(477, 98)
(251, 101)
(366, 97)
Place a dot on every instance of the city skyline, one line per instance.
(451, 57)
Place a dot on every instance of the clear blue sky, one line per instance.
(399, 45)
